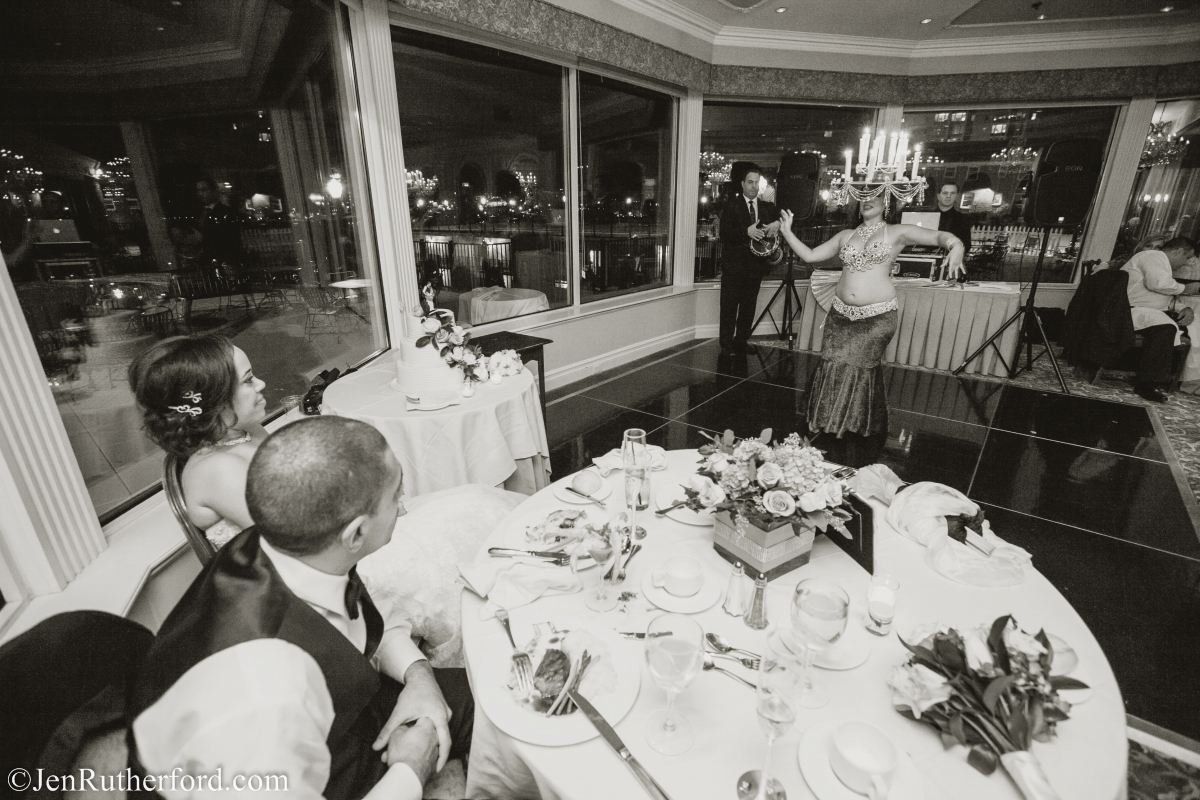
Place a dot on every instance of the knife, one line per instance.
(575, 491)
(648, 783)
(643, 634)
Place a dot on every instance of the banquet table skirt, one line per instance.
(1087, 760)
(496, 438)
(491, 303)
(938, 326)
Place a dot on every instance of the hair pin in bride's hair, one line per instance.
(190, 410)
(192, 397)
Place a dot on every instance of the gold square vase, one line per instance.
(783, 548)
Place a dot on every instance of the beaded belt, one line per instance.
(855, 313)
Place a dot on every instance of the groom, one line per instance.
(277, 662)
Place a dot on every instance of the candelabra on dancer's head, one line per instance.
(880, 173)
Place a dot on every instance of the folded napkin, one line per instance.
(509, 583)
(612, 461)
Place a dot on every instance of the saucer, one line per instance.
(709, 594)
(560, 491)
(850, 651)
(813, 755)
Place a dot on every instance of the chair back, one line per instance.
(172, 472)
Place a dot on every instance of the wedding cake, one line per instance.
(424, 377)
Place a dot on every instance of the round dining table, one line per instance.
(497, 437)
(488, 304)
(1086, 761)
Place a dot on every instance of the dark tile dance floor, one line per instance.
(1090, 487)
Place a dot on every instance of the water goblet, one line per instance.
(635, 459)
(780, 685)
(675, 654)
(819, 611)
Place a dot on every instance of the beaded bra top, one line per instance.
(876, 253)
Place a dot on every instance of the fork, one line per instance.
(521, 662)
(748, 663)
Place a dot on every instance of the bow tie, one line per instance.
(356, 590)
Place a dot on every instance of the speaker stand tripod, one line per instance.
(787, 287)
(1031, 328)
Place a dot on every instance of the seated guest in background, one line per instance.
(1152, 299)
(277, 661)
(201, 402)
(953, 221)
(745, 218)
(1189, 271)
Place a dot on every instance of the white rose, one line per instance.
(811, 502)
(457, 354)
(430, 324)
(717, 462)
(457, 330)
(1018, 641)
(769, 475)
(979, 655)
(469, 358)
(780, 503)
(440, 336)
(481, 372)
(834, 491)
(918, 687)
(708, 492)
(456, 338)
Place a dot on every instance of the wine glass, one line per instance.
(780, 685)
(819, 611)
(603, 546)
(675, 653)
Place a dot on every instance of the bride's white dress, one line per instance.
(418, 569)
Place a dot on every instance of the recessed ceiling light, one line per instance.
(927, 20)
(781, 9)
(1167, 9)
(159, 28)
(1041, 16)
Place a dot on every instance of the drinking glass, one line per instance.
(603, 545)
(881, 603)
(819, 611)
(636, 461)
(780, 685)
(675, 653)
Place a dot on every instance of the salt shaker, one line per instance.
(737, 595)
(756, 613)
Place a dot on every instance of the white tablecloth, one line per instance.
(1086, 762)
(938, 326)
(497, 437)
(486, 304)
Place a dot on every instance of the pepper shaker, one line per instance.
(756, 614)
(737, 595)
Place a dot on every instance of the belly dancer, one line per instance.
(847, 392)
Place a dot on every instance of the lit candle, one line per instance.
(901, 154)
(876, 150)
(916, 160)
(849, 155)
(863, 144)
(891, 153)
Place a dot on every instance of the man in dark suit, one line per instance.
(745, 217)
(218, 226)
(953, 221)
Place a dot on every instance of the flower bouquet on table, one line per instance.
(503, 364)
(769, 500)
(990, 690)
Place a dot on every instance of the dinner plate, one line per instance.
(492, 692)
(601, 494)
(514, 534)
(708, 595)
(672, 492)
(1065, 658)
(850, 651)
(818, 773)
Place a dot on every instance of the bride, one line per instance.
(202, 403)
(847, 393)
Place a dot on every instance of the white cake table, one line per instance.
(496, 438)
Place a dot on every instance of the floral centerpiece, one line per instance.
(755, 488)
(990, 690)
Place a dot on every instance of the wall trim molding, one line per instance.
(678, 17)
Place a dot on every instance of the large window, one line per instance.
(1165, 201)
(764, 134)
(483, 146)
(993, 155)
(146, 192)
(627, 157)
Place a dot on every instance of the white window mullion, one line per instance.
(574, 215)
(687, 179)
(1120, 173)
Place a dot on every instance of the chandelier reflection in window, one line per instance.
(1161, 148)
(1015, 159)
(419, 185)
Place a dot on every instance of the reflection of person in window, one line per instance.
(217, 225)
(953, 221)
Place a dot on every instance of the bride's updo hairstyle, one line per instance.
(183, 385)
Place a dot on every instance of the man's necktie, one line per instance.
(356, 594)
(753, 210)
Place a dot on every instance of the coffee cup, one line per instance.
(863, 758)
(680, 575)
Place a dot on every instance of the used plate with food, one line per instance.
(555, 529)
(602, 667)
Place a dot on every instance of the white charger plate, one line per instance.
(704, 599)
(850, 651)
(601, 494)
(813, 755)
(673, 492)
(491, 691)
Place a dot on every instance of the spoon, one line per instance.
(632, 553)
(717, 642)
(710, 664)
(748, 663)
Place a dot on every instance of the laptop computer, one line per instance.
(923, 219)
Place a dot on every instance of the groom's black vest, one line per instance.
(239, 597)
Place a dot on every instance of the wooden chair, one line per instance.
(172, 474)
